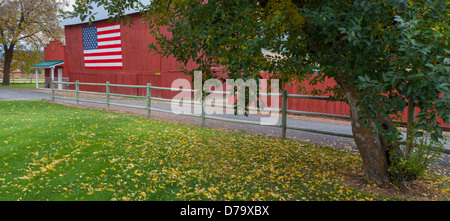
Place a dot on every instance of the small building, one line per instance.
(16, 73)
(53, 64)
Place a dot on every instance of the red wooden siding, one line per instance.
(139, 65)
(332, 107)
(320, 106)
(55, 50)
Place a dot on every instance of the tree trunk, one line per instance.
(374, 150)
(8, 57)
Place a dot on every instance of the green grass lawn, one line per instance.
(54, 152)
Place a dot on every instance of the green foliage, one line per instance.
(386, 49)
(210, 36)
(404, 169)
(25, 57)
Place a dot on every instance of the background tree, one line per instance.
(27, 55)
(382, 55)
(25, 21)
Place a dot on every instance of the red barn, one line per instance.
(105, 51)
(126, 59)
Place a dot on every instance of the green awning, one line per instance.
(48, 64)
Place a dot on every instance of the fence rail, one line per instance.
(284, 111)
(27, 80)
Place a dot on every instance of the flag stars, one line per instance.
(90, 38)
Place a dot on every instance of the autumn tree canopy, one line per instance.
(25, 22)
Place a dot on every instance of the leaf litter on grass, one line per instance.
(55, 152)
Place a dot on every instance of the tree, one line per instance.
(26, 21)
(25, 56)
(384, 55)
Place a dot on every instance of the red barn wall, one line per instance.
(329, 107)
(139, 65)
(55, 50)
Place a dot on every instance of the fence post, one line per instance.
(203, 110)
(107, 96)
(37, 78)
(53, 90)
(149, 97)
(77, 94)
(283, 114)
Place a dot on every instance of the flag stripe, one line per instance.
(103, 57)
(109, 39)
(109, 35)
(109, 46)
(106, 28)
(108, 32)
(102, 50)
(103, 67)
(103, 61)
(103, 54)
(109, 43)
(112, 64)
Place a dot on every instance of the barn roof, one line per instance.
(99, 13)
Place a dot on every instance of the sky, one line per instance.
(70, 8)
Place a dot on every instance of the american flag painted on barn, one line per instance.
(102, 46)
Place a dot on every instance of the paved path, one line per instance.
(11, 94)
(338, 126)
